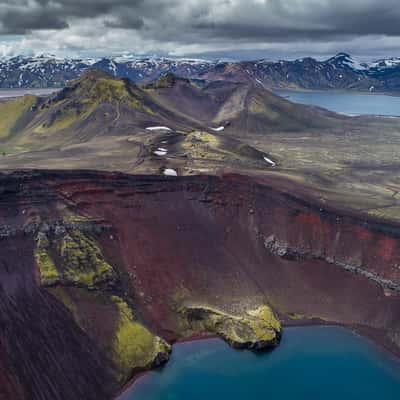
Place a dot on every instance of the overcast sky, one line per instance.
(238, 29)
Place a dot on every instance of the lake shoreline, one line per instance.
(352, 103)
(10, 94)
(337, 91)
(142, 374)
(374, 338)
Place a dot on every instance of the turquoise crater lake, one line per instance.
(311, 363)
(347, 102)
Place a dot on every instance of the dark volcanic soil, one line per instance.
(218, 241)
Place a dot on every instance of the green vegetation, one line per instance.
(49, 274)
(202, 145)
(258, 105)
(135, 347)
(76, 260)
(167, 81)
(83, 261)
(253, 328)
(111, 90)
(125, 341)
(263, 315)
(11, 111)
(72, 264)
(299, 316)
(84, 97)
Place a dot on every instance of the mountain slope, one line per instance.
(94, 105)
(240, 108)
(251, 109)
(96, 111)
(102, 122)
(187, 97)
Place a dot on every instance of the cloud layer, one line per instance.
(240, 28)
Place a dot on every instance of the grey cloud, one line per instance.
(22, 16)
(212, 22)
(22, 22)
(274, 20)
(125, 22)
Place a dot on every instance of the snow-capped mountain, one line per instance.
(50, 71)
(338, 72)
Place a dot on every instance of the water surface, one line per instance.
(11, 93)
(311, 363)
(347, 103)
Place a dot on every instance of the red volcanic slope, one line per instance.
(209, 240)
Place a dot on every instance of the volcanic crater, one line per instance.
(106, 270)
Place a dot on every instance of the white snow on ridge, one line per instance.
(357, 65)
(387, 63)
(219, 129)
(170, 172)
(158, 128)
(269, 161)
(343, 59)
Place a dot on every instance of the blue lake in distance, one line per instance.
(12, 93)
(327, 363)
(347, 102)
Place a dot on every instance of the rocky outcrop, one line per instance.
(283, 250)
(79, 260)
(135, 348)
(255, 328)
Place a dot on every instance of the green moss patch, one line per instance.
(83, 260)
(49, 274)
(110, 322)
(258, 105)
(84, 96)
(254, 328)
(73, 258)
(299, 317)
(135, 347)
(11, 111)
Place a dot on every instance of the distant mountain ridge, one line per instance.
(338, 72)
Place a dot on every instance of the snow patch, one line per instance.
(385, 63)
(161, 152)
(170, 172)
(269, 161)
(158, 128)
(219, 129)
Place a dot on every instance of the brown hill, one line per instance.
(97, 105)
(94, 105)
(243, 108)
